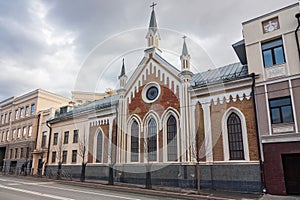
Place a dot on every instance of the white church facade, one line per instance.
(166, 120)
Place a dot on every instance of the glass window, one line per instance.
(7, 135)
(152, 140)
(273, 53)
(16, 153)
(14, 136)
(75, 136)
(32, 109)
(19, 132)
(24, 131)
(27, 111)
(172, 138)
(281, 110)
(30, 131)
(1, 122)
(5, 118)
(21, 112)
(235, 137)
(66, 138)
(53, 156)
(44, 139)
(64, 157)
(134, 142)
(55, 138)
(99, 147)
(22, 153)
(74, 156)
(9, 116)
(17, 114)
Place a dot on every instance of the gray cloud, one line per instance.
(74, 44)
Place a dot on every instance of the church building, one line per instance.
(166, 119)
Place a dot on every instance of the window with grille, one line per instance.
(134, 142)
(152, 140)
(172, 138)
(235, 137)
(99, 147)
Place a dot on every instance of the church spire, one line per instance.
(123, 77)
(153, 35)
(185, 56)
(122, 69)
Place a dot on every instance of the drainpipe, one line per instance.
(262, 174)
(49, 140)
(296, 33)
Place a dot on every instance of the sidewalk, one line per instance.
(170, 192)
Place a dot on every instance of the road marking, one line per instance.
(88, 192)
(13, 184)
(35, 193)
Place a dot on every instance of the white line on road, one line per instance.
(88, 192)
(35, 193)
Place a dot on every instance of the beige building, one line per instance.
(272, 45)
(19, 124)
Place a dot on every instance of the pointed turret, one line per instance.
(153, 34)
(123, 77)
(122, 69)
(185, 57)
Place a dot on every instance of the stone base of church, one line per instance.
(233, 177)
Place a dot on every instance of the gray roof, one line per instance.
(92, 106)
(220, 75)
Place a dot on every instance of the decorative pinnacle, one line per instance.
(184, 49)
(123, 69)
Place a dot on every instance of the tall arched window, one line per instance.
(235, 137)
(172, 138)
(152, 140)
(134, 142)
(99, 147)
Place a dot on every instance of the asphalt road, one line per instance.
(12, 188)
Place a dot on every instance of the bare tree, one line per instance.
(83, 154)
(196, 150)
(59, 150)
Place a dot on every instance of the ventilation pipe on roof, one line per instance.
(296, 33)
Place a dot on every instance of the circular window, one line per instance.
(151, 92)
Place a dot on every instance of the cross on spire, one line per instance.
(184, 37)
(153, 5)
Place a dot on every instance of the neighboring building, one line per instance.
(167, 119)
(80, 97)
(273, 54)
(19, 125)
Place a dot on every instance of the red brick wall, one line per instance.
(166, 99)
(273, 168)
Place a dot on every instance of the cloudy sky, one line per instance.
(67, 45)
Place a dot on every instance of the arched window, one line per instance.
(152, 140)
(172, 138)
(134, 142)
(99, 147)
(235, 137)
